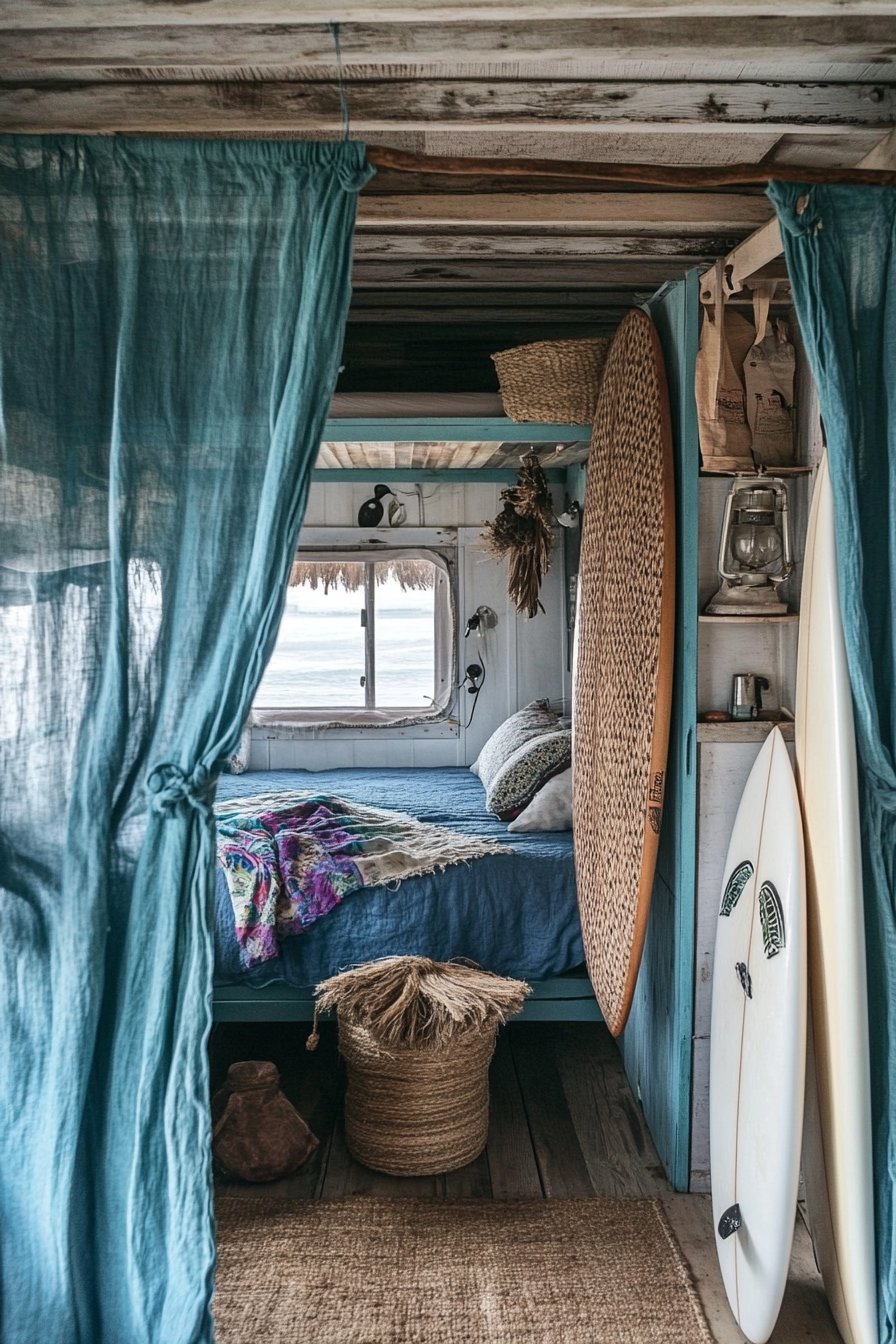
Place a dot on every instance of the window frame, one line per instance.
(445, 636)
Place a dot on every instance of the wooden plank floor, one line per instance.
(563, 1121)
(563, 1124)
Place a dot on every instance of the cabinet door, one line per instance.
(656, 1043)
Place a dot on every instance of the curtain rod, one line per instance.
(643, 174)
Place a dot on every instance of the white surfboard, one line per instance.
(758, 1043)
(837, 1141)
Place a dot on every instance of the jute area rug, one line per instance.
(428, 1271)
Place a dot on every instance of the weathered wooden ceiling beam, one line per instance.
(163, 40)
(96, 13)
(610, 174)
(584, 69)
(454, 274)
(464, 316)
(577, 304)
(688, 251)
(422, 104)
(641, 212)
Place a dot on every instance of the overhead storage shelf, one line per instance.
(447, 475)
(790, 618)
(343, 436)
(753, 730)
(440, 429)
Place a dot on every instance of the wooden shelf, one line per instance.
(450, 429)
(789, 619)
(783, 472)
(753, 730)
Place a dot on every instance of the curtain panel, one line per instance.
(171, 319)
(840, 245)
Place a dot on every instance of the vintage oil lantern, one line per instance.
(755, 553)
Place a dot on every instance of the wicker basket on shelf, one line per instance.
(554, 382)
(417, 1037)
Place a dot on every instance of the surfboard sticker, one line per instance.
(735, 888)
(771, 916)
(746, 981)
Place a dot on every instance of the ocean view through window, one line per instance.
(361, 635)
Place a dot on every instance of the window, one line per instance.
(363, 639)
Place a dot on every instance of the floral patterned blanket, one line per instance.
(289, 858)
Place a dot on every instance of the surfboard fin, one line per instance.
(730, 1221)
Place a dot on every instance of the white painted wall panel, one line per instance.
(768, 650)
(260, 752)
(700, 1179)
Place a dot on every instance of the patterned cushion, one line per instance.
(550, 809)
(534, 721)
(530, 766)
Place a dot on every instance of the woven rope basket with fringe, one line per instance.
(415, 1112)
(417, 1037)
(555, 382)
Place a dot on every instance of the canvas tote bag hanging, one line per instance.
(768, 378)
(725, 438)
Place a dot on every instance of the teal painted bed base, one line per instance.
(565, 998)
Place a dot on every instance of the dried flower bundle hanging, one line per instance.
(524, 532)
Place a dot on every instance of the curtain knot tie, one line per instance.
(170, 785)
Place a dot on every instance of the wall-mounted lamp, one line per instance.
(482, 620)
(572, 516)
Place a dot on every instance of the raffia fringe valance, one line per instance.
(349, 574)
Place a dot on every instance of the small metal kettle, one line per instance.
(746, 695)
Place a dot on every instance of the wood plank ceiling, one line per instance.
(427, 456)
(448, 269)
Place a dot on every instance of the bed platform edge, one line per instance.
(566, 998)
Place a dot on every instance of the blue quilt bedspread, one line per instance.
(515, 914)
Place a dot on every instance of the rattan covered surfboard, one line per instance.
(622, 688)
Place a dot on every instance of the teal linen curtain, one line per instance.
(840, 245)
(171, 317)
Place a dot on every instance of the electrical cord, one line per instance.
(474, 680)
(480, 623)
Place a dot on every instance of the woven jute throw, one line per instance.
(417, 1037)
(622, 690)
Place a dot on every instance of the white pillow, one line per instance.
(550, 809)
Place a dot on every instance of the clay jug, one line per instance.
(256, 1134)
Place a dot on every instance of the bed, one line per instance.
(515, 914)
